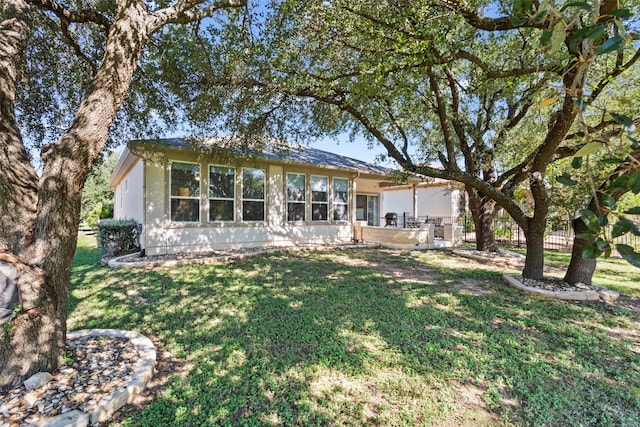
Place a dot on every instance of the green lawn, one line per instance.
(367, 337)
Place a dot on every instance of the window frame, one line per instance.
(303, 202)
(327, 191)
(198, 197)
(333, 199)
(263, 200)
(232, 199)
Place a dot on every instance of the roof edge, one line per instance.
(125, 163)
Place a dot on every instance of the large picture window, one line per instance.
(222, 193)
(319, 198)
(340, 199)
(253, 191)
(296, 197)
(185, 192)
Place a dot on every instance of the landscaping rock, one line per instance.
(37, 380)
(69, 419)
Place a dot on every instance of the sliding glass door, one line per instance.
(367, 209)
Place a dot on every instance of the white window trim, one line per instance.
(304, 202)
(264, 201)
(198, 198)
(334, 204)
(233, 199)
(312, 202)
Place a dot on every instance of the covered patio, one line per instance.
(421, 235)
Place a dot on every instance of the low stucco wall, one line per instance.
(203, 239)
(409, 238)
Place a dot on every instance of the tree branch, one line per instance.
(77, 16)
(186, 11)
(473, 18)
(64, 26)
(611, 76)
(499, 74)
(442, 116)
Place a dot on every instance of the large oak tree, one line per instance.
(101, 44)
(495, 99)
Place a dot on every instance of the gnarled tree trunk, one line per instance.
(40, 218)
(483, 211)
(534, 260)
(580, 269)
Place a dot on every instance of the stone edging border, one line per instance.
(603, 294)
(107, 407)
(117, 263)
(515, 261)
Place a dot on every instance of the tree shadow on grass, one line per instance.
(307, 339)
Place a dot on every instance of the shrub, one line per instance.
(118, 236)
(94, 216)
(106, 211)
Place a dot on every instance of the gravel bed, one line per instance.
(133, 258)
(100, 365)
(555, 284)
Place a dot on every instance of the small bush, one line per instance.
(106, 210)
(100, 211)
(118, 236)
(94, 216)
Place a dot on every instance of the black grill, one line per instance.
(391, 219)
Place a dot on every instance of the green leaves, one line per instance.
(589, 148)
(625, 121)
(634, 183)
(627, 252)
(579, 4)
(621, 13)
(598, 248)
(593, 32)
(576, 163)
(610, 45)
(558, 36)
(621, 227)
(565, 179)
(590, 219)
(608, 201)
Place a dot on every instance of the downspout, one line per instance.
(415, 201)
(143, 232)
(353, 209)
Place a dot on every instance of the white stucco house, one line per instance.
(190, 197)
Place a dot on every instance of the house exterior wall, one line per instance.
(397, 201)
(436, 201)
(161, 235)
(129, 195)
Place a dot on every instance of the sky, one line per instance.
(357, 149)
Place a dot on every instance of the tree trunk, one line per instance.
(37, 331)
(534, 260)
(483, 211)
(580, 269)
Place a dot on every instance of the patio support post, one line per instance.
(415, 201)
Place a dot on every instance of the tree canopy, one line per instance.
(494, 92)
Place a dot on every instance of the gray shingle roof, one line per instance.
(290, 153)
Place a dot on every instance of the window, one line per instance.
(222, 193)
(296, 198)
(253, 183)
(340, 199)
(319, 198)
(185, 192)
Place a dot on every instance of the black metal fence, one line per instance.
(559, 236)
